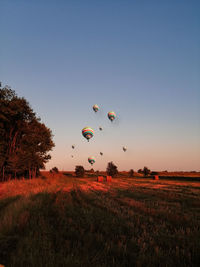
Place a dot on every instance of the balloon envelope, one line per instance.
(111, 115)
(91, 160)
(88, 132)
(95, 108)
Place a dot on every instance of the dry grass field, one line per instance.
(57, 220)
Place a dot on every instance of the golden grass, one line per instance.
(59, 182)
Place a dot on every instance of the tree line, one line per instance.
(24, 140)
(112, 170)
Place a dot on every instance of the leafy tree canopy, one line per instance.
(24, 140)
(111, 169)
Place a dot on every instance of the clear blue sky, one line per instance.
(138, 58)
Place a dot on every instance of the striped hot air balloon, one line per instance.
(91, 160)
(88, 133)
(111, 115)
(95, 108)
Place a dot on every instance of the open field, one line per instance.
(67, 221)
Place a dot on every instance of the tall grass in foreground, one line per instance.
(131, 223)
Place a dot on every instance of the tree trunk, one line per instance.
(3, 173)
(35, 172)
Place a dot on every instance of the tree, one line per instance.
(55, 170)
(111, 169)
(79, 171)
(24, 140)
(131, 173)
(146, 171)
(140, 171)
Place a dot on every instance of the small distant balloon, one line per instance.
(91, 160)
(101, 153)
(111, 115)
(72, 156)
(73, 146)
(100, 128)
(88, 133)
(95, 108)
(124, 148)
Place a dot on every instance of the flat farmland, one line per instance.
(58, 220)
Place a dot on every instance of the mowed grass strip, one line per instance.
(133, 225)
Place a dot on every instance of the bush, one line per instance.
(111, 169)
(55, 170)
(146, 171)
(79, 171)
(140, 171)
(131, 173)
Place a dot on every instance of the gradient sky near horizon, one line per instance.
(138, 58)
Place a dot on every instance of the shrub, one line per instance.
(146, 171)
(131, 173)
(55, 170)
(79, 171)
(111, 169)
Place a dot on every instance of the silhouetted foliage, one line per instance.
(146, 171)
(131, 173)
(24, 140)
(79, 171)
(111, 169)
(55, 170)
(140, 171)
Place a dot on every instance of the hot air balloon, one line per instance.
(73, 146)
(72, 156)
(124, 148)
(111, 115)
(95, 108)
(91, 160)
(101, 153)
(100, 128)
(88, 133)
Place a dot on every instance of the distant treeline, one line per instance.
(24, 140)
